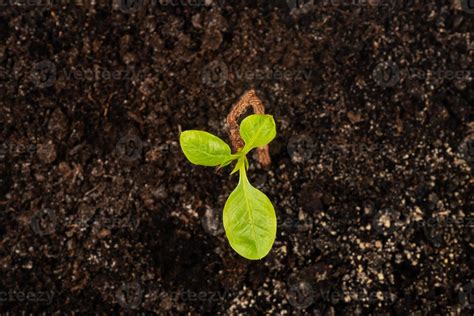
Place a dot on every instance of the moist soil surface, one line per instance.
(371, 173)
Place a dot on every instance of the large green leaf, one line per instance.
(257, 130)
(203, 148)
(249, 220)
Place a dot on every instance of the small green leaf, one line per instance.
(241, 162)
(257, 130)
(203, 148)
(249, 220)
(227, 162)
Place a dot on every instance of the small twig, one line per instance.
(249, 98)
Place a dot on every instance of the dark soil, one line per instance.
(371, 173)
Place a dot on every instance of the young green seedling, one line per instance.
(249, 217)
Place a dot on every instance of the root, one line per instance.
(249, 98)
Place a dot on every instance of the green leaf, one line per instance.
(249, 220)
(205, 149)
(257, 130)
(242, 162)
(227, 162)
